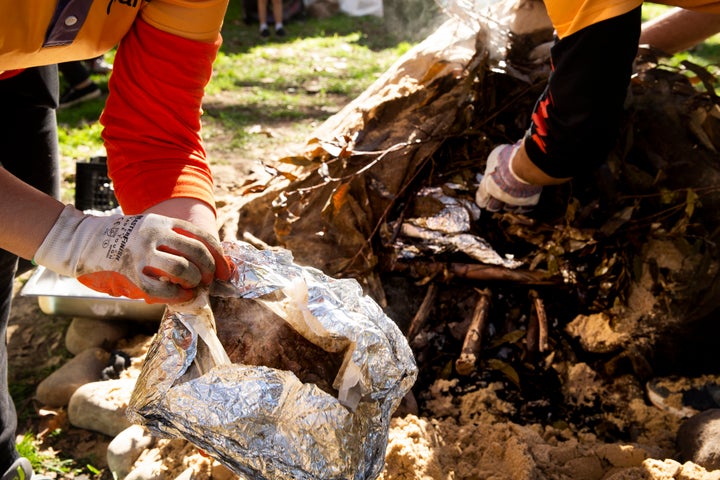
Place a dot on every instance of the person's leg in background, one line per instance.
(277, 7)
(80, 85)
(28, 134)
(262, 18)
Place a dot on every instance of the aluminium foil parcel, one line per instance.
(315, 371)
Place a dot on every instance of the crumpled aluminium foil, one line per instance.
(264, 422)
(447, 231)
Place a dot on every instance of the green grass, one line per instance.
(294, 82)
(300, 80)
(42, 461)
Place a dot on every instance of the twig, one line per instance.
(421, 315)
(531, 335)
(476, 272)
(255, 241)
(537, 334)
(465, 364)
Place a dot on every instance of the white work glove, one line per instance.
(151, 257)
(500, 188)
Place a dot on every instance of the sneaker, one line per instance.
(265, 32)
(684, 397)
(280, 32)
(22, 470)
(77, 95)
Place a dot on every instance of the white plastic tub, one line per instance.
(60, 295)
(360, 8)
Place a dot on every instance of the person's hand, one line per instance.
(151, 257)
(500, 188)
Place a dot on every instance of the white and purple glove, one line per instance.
(501, 189)
(151, 257)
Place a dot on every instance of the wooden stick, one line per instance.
(465, 364)
(476, 272)
(423, 312)
(542, 324)
(531, 335)
(541, 319)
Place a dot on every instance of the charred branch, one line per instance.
(465, 364)
(421, 316)
(537, 332)
(469, 271)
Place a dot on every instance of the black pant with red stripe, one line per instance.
(576, 121)
(29, 150)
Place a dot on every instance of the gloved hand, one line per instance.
(501, 188)
(151, 257)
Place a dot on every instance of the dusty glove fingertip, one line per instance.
(225, 269)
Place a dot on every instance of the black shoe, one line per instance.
(684, 397)
(697, 439)
(280, 32)
(77, 95)
(265, 32)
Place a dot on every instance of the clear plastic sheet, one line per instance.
(317, 370)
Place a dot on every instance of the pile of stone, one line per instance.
(95, 387)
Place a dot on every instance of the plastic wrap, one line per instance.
(317, 370)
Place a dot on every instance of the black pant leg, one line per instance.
(28, 134)
(576, 121)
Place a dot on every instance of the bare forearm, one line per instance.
(26, 217)
(679, 29)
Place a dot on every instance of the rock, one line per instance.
(148, 470)
(698, 439)
(84, 333)
(585, 468)
(101, 406)
(597, 333)
(124, 450)
(86, 367)
(623, 456)
(651, 468)
(185, 475)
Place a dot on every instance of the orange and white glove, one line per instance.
(500, 188)
(151, 257)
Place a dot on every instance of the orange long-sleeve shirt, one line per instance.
(164, 60)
